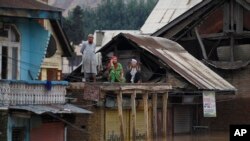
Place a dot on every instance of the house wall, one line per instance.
(3, 127)
(55, 61)
(34, 41)
(92, 125)
(236, 110)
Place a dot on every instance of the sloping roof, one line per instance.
(29, 9)
(55, 108)
(27, 4)
(68, 50)
(164, 12)
(189, 19)
(175, 56)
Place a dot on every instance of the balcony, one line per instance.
(14, 92)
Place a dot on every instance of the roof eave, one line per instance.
(68, 50)
(29, 13)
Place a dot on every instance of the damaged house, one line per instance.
(218, 33)
(163, 63)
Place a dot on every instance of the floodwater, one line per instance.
(207, 136)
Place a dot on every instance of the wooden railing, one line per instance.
(22, 93)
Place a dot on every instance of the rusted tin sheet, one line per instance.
(52, 108)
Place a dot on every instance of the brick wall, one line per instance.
(91, 124)
(3, 125)
(232, 109)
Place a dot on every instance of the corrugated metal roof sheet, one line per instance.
(27, 4)
(164, 12)
(55, 108)
(181, 61)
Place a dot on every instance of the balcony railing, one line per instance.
(32, 92)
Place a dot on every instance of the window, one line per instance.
(9, 51)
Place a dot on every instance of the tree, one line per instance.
(109, 15)
(73, 25)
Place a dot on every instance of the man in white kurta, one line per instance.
(89, 63)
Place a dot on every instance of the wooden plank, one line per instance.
(118, 86)
(226, 17)
(203, 49)
(239, 18)
(232, 15)
(133, 107)
(164, 115)
(122, 128)
(164, 87)
(232, 47)
(155, 116)
(147, 88)
(244, 4)
(145, 103)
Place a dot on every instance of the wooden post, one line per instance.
(164, 115)
(122, 129)
(155, 116)
(145, 103)
(133, 107)
(102, 115)
(232, 43)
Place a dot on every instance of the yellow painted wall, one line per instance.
(43, 74)
(56, 60)
(112, 125)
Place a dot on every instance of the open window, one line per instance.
(10, 52)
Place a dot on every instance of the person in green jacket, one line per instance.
(115, 71)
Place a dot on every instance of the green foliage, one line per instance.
(109, 15)
(73, 25)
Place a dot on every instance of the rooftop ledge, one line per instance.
(106, 86)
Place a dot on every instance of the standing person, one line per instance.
(89, 63)
(133, 75)
(115, 70)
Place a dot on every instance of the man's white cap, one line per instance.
(90, 35)
(133, 61)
